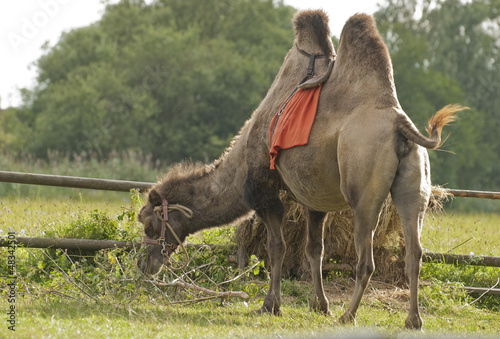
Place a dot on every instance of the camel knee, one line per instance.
(314, 250)
(413, 259)
(364, 270)
(415, 253)
(276, 248)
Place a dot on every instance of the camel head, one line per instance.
(163, 232)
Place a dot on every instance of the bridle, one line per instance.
(310, 74)
(312, 59)
(162, 214)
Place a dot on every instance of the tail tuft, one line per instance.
(442, 117)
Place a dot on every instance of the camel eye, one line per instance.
(148, 227)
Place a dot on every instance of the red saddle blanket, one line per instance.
(293, 126)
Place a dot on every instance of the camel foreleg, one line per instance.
(261, 195)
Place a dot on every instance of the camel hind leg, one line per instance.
(410, 194)
(314, 253)
(367, 174)
(365, 218)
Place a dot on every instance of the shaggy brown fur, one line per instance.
(363, 68)
(313, 26)
(362, 147)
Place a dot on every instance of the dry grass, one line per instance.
(388, 244)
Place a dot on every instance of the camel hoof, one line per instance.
(413, 322)
(265, 310)
(326, 311)
(321, 307)
(347, 319)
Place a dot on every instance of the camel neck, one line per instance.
(218, 198)
(215, 196)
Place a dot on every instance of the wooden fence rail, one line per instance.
(449, 258)
(69, 243)
(474, 194)
(95, 245)
(75, 182)
(126, 186)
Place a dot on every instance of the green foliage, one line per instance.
(12, 131)
(54, 268)
(446, 51)
(98, 226)
(173, 78)
(447, 280)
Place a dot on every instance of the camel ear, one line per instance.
(154, 198)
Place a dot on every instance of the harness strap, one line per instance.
(165, 208)
(310, 74)
(164, 220)
(321, 56)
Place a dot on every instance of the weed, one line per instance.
(457, 276)
(104, 294)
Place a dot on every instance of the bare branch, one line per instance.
(214, 294)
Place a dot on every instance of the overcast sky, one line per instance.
(27, 24)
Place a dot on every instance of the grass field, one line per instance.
(476, 233)
(58, 297)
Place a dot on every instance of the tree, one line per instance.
(444, 51)
(175, 78)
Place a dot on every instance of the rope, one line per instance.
(188, 213)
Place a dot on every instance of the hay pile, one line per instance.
(340, 254)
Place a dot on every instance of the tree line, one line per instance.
(176, 79)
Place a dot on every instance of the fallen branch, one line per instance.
(70, 279)
(484, 291)
(68, 243)
(193, 301)
(240, 275)
(214, 294)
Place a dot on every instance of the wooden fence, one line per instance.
(95, 245)
(126, 186)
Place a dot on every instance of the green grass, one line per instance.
(59, 318)
(105, 296)
(32, 217)
(461, 233)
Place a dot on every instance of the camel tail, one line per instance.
(434, 127)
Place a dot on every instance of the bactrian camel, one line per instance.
(362, 146)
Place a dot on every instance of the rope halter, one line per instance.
(162, 214)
